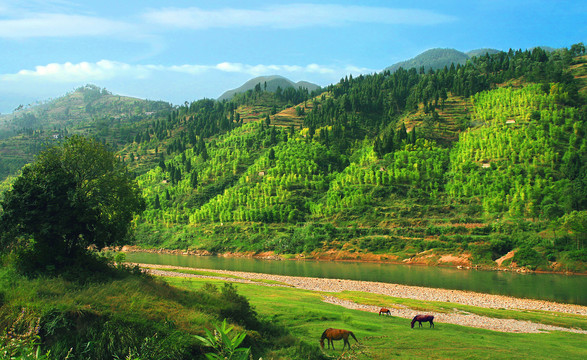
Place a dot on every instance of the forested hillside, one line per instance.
(267, 83)
(472, 161)
(88, 111)
(460, 165)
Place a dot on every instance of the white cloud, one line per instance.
(107, 69)
(291, 16)
(60, 25)
(83, 71)
(56, 19)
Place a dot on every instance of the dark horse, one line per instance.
(385, 311)
(423, 318)
(336, 334)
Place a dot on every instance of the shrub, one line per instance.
(237, 308)
(528, 257)
(500, 246)
(578, 255)
(481, 253)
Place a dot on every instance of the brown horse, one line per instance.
(423, 318)
(385, 311)
(336, 334)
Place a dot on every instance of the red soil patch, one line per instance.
(504, 258)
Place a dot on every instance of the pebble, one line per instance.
(406, 291)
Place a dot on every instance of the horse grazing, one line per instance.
(385, 311)
(336, 334)
(423, 318)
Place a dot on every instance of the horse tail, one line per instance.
(353, 335)
(414, 321)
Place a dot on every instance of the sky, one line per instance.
(180, 51)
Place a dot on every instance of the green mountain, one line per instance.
(268, 83)
(89, 110)
(439, 58)
(481, 52)
(477, 164)
(430, 168)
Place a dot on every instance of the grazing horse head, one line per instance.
(423, 318)
(336, 334)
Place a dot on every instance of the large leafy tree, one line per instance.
(72, 196)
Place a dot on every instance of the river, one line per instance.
(571, 289)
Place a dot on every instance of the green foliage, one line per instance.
(524, 173)
(73, 196)
(496, 145)
(22, 340)
(224, 346)
(236, 307)
(87, 111)
(528, 257)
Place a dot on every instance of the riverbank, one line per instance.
(426, 258)
(403, 291)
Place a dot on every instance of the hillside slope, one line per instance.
(88, 111)
(460, 165)
(421, 168)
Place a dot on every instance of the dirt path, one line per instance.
(405, 291)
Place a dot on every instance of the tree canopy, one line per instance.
(74, 195)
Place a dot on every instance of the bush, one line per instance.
(500, 246)
(564, 243)
(483, 230)
(528, 257)
(373, 244)
(237, 308)
(578, 255)
(481, 253)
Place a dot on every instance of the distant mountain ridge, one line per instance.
(438, 59)
(272, 82)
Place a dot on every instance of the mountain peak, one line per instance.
(432, 59)
(268, 83)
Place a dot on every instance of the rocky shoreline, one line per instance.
(405, 291)
(461, 263)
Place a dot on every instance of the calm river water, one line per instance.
(570, 289)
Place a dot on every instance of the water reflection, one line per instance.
(554, 287)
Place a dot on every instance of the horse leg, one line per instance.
(420, 323)
(431, 324)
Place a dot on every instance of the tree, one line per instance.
(194, 180)
(576, 223)
(72, 196)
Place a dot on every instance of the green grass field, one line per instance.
(306, 316)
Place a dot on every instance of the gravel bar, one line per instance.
(405, 291)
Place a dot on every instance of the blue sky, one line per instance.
(181, 51)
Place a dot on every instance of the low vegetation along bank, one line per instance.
(130, 315)
(426, 258)
(307, 306)
(356, 295)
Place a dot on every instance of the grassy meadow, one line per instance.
(305, 315)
